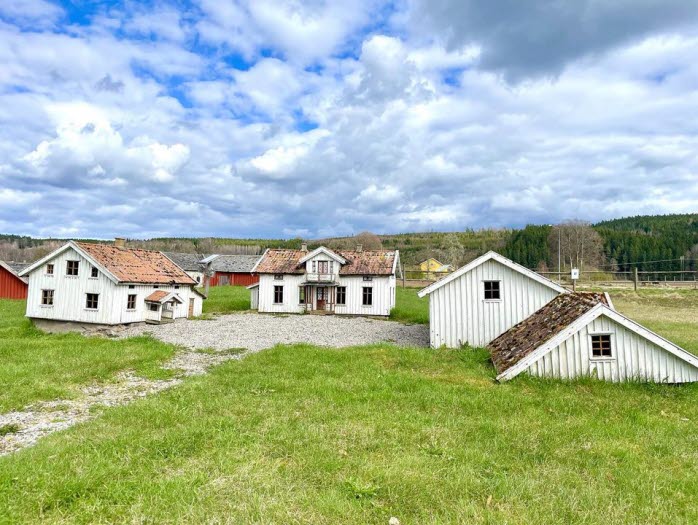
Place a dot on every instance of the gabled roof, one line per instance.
(528, 341)
(190, 262)
(234, 263)
(522, 339)
(124, 265)
(326, 251)
(161, 296)
(365, 262)
(500, 259)
(15, 269)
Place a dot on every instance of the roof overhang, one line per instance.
(165, 299)
(65, 247)
(18, 275)
(489, 256)
(599, 310)
(326, 251)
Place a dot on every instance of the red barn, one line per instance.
(12, 286)
(233, 270)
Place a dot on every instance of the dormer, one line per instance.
(322, 261)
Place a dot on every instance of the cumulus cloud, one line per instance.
(234, 117)
(524, 39)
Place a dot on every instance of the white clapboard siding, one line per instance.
(459, 314)
(634, 357)
(383, 294)
(69, 297)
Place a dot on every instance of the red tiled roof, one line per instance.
(367, 262)
(157, 296)
(135, 265)
(531, 333)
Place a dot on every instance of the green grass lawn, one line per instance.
(308, 435)
(227, 299)
(409, 308)
(303, 434)
(35, 366)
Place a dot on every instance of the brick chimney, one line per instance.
(119, 242)
(359, 247)
(304, 247)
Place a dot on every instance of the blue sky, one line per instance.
(286, 118)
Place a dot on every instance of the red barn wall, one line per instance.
(233, 279)
(11, 287)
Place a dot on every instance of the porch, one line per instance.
(319, 298)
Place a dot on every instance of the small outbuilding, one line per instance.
(483, 299)
(581, 335)
(12, 286)
(234, 270)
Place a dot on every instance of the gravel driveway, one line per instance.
(255, 331)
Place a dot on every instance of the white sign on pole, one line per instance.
(575, 274)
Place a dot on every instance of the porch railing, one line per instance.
(321, 277)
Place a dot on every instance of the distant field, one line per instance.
(35, 366)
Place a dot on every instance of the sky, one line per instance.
(315, 119)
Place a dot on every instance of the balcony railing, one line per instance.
(321, 277)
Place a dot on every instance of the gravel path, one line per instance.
(249, 331)
(259, 331)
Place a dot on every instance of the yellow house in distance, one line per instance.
(431, 265)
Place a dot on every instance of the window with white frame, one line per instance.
(92, 301)
(367, 296)
(47, 297)
(72, 268)
(492, 291)
(278, 294)
(131, 302)
(94, 273)
(601, 346)
(301, 295)
(49, 269)
(341, 295)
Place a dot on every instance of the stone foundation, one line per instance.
(53, 326)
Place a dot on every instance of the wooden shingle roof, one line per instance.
(136, 266)
(366, 262)
(522, 339)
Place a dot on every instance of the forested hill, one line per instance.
(651, 243)
(661, 239)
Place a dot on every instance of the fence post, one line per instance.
(403, 275)
(635, 277)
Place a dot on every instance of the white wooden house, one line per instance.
(483, 299)
(581, 335)
(96, 284)
(357, 282)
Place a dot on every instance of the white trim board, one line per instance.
(599, 310)
(326, 251)
(500, 259)
(66, 246)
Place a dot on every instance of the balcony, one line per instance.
(321, 277)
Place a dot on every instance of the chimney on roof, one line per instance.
(304, 247)
(359, 247)
(119, 242)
